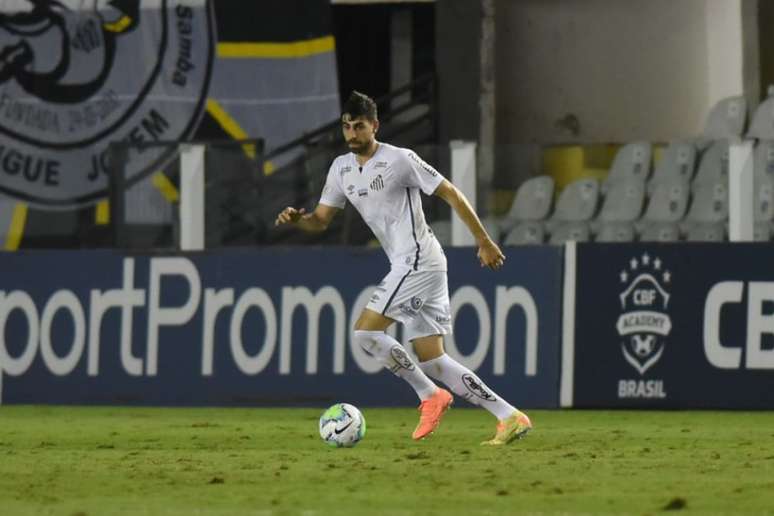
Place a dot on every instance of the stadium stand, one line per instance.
(761, 126)
(708, 212)
(576, 231)
(621, 207)
(667, 206)
(531, 203)
(713, 165)
(678, 162)
(764, 209)
(527, 232)
(632, 162)
(725, 120)
(575, 207)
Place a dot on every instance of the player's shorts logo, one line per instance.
(416, 303)
(644, 324)
(475, 387)
(76, 75)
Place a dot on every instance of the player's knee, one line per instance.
(365, 339)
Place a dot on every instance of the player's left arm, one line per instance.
(489, 253)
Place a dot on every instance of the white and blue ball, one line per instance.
(342, 425)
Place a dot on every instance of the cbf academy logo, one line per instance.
(644, 324)
(76, 75)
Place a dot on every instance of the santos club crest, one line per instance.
(644, 324)
(76, 75)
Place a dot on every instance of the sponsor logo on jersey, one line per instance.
(424, 166)
(378, 183)
(344, 170)
(443, 319)
(362, 192)
(380, 164)
(350, 189)
(76, 76)
(644, 324)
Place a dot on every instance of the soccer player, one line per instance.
(383, 183)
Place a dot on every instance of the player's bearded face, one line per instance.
(359, 133)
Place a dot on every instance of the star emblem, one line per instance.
(657, 263)
(667, 276)
(645, 259)
(633, 263)
(624, 276)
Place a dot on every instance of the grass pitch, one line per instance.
(104, 461)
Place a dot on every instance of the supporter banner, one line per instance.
(77, 75)
(249, 327)
(688, 325)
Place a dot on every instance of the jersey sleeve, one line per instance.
(332, 194)
(418, 174)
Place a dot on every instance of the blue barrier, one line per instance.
(255, 327)
(674, 326)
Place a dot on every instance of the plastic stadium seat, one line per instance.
(575, 231)
(527, 232)
(532, 202)
(709, 207)
(576, 206)
(713, 164)
(632, 162)
(615, 232)
(492, 228)
(764, 199)
(577, 203)
(668, 204)
(762, 125)
(659, 232)
(574, 209)
(763, 159)
(706, 232)
(623, 202)
(677, 163)
(764, 207)
(726, 119)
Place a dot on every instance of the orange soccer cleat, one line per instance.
(513, 427)
(430, 413)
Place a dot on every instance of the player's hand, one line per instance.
(289, 215)
(490, 255)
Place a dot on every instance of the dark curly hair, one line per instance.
(359, 104)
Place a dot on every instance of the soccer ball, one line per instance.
(342, 425)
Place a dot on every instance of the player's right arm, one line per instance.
(332, 199)
(318, 220)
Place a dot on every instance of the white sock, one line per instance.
(392, 355)
(465, 384)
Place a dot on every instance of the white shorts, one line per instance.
(418, 299)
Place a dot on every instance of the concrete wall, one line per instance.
(602, 70)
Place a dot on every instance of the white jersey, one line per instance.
(385, 191)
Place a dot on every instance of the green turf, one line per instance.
(102, 461)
